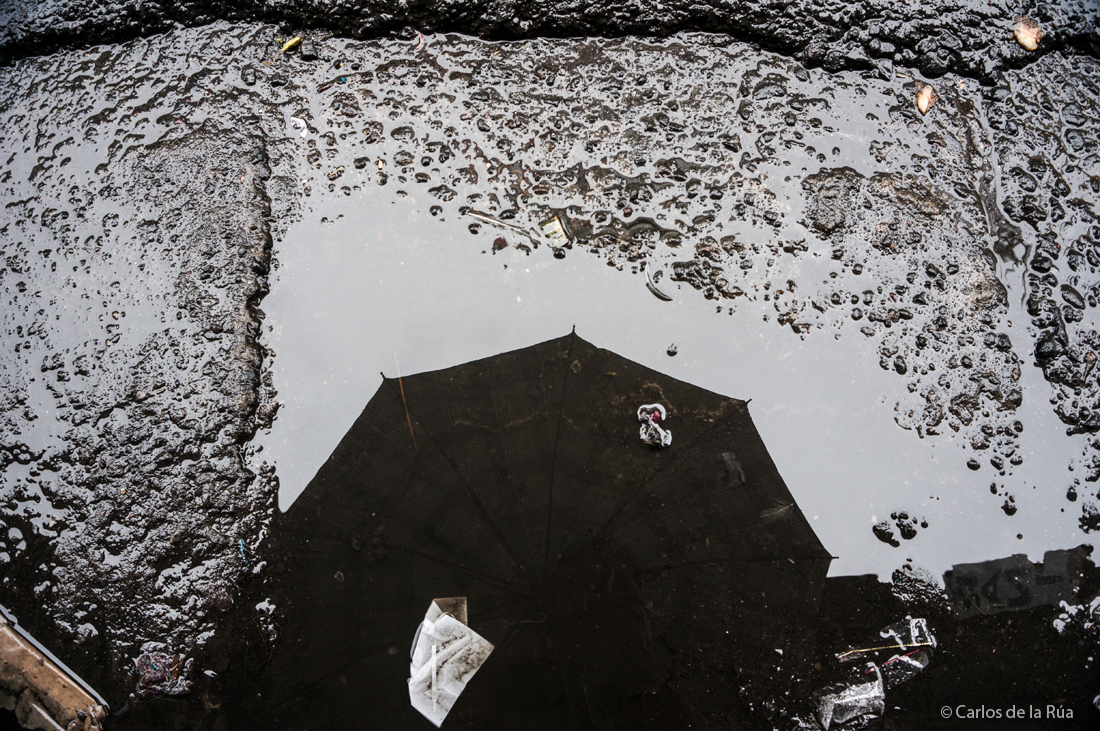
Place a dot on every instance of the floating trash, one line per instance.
(672, 350)
(1028, 33)
(651, 433)
(162, 674)
(926, 99)
(300, 124)
(445, 655)
(555, 230)
(905, 636)
(840, 703)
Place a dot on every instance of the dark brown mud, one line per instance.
(970, 38)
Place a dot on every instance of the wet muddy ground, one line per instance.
(850, 264)
(970, 37)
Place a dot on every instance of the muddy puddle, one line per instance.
(798, 219)
(202, 232)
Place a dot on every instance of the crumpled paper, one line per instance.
(445, 655)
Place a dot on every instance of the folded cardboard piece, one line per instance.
(445, 655)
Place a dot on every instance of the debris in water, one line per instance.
(286, 47)
(445, 655)
(652, 286)
(837, 704)
(554, 230)
(161, 674)
(290, 44)
(926, 99)
(300, 124)
(672, 350)
(651, 432)
(420, 42)
(487, 218)
(499, 243)
(1028, 33)
(336, 173)
(909, 634)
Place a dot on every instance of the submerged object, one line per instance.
(43, 692)
(841, 703)
(163, 674)
(901, 650)
(445, 655)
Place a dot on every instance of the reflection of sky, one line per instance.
(386, 284)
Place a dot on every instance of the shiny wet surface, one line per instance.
(874, 280)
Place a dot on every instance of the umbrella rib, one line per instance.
(473, 496)
(554, 463)
(663, 467)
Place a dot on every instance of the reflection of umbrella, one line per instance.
(622, 585)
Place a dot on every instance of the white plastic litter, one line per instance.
(841, 703)
(445, 655)
(651, 415)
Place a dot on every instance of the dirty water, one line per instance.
(875, 280)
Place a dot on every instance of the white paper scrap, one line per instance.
(445, 655)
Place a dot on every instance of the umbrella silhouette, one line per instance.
(623, 586)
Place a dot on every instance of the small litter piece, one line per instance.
(554, 229)
(841, 703)
(162, 674)
(672, 350)
(901, 650)
(300, 124)
(651, 415)
(445, 655)
(926, 99)
(1028, 33)
(652, 286)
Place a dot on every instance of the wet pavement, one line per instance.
(907, 299)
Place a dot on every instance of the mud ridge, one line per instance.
(968, 38)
